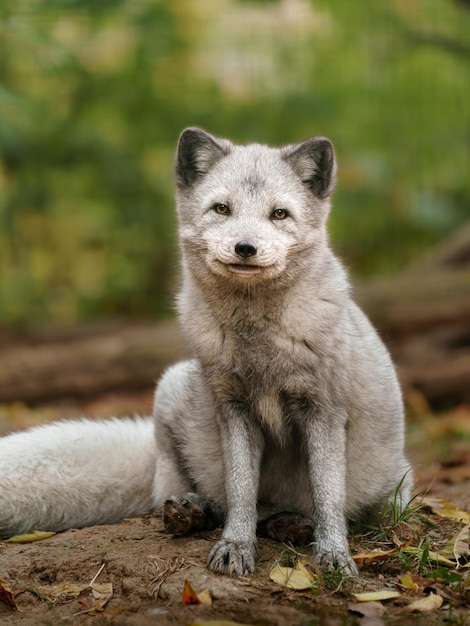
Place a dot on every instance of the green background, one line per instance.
(94, 93)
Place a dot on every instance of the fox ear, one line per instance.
(197, 153)
(315, 163)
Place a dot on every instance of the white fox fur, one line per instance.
(75, 473)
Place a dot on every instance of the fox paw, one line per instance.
(340, 561)
(232, 558)
(183, 513)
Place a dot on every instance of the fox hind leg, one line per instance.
(188, 462)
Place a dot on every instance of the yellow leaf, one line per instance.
(374, 555)
(376, 596)
(448, 550)
(298, 577)
(205, 597)
(409, 583)
(447, 509)
(439, 558)
(36, 535)
(102, 591)
(456, 514)
(430, 603)
(432, 556)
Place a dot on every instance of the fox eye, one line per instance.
(221, 209)
(279, 214)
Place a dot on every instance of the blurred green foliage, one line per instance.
(93, 95)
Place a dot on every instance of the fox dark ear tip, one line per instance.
(320, 139)
(324, 143)
(197, 153)
(191, 133)
(194, 131)
(317, 144)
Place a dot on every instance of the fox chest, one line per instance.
(275, 377)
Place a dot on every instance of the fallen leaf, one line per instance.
(92, 604)
(189, 596)
(462, 544)
(36, 535)
(376, 596)
(374, 555)
(431, 602)
(380, 555)
(448, 550)
(447, 509)
(407, 582)
(371, 610)
(205, 597)
(6, 595)
(54, 592)
(102, 594)
(298, 577)
(432, 556)
(415, 583)
(455, 514)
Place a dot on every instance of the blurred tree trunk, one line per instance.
(423, 314)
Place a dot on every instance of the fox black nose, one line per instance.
(245, 249)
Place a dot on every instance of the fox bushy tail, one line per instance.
(76, 473)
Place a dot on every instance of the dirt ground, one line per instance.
(132, 573)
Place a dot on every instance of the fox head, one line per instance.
(252, 213)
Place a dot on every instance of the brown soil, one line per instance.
(147, 568)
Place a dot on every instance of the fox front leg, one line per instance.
(235, 554)
(326, 440)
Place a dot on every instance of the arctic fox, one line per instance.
(289, 417)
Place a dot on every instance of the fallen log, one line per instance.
(412, 302)
(423, 314)
(83, 364)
